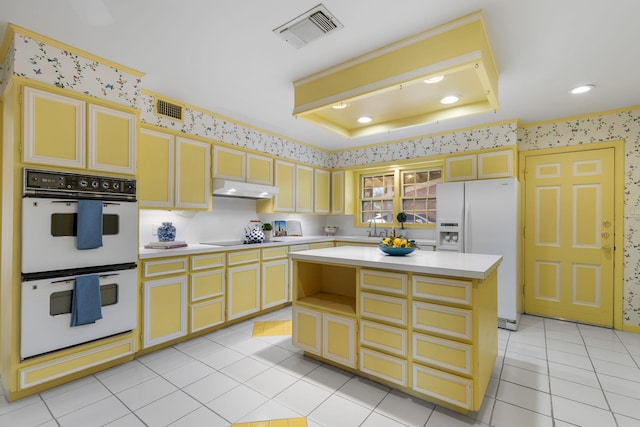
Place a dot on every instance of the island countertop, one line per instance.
(441, 263)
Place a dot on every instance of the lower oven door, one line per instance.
(46, 312)
(49, 235)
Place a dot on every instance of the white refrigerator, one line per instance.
(484, 217)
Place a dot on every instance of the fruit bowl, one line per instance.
(395, 251)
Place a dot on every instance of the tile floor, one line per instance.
(548, 373)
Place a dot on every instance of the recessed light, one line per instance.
(450, 99)
(434, 79)
(364, 119)
(582, 89)
(340, 106)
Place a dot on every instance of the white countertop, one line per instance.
(198, 248)
(472, 266)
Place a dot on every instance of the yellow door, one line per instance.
(112, 140)
(285, 181)
(229, 163)
(155, 169)
(243, 295)
(569, 238)
(322, 180)
(275, 282)
(304, 189)
(259, 169)
(193, 174)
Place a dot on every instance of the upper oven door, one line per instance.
(49, 235)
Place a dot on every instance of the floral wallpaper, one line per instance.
(624, 125)
(39, 61)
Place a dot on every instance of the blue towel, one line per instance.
(89, 230)
(86, 304)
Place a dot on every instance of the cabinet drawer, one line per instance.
(440, 385)
(381, 307)
(165, 266)
(207, 284)
(207, 314)
(201, 262)
(383, 366)
(243, 257)
(275, 252)
(442, 353)
(57, 368)
(383, 337)
(320, 245)
(445, 290)
(448, 321)
(395, 283)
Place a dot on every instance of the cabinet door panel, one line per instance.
(112, 140)
(395, 283)
(461, 168)
(322, 181)
(207, 314)
(193, 177)
(304, 189)
(155, 169)
(440, 385)
(165, 311)
(243, 290)
(338, 339)
(275, 283)
(495, 164)
(307, 330)
(383, 337)
(54, 129)
(383, 366)
(286, 183)
(229, 163)
(259, 169)
(381, 307)
(439, 319)
(442, 353)
(207, 284)
(444, 290)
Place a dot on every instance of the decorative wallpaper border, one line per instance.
(42, 62)
(6, 67)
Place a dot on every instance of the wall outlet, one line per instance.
(154, 229)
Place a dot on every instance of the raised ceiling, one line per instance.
(222, 56)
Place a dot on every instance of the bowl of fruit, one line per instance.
(397, 246)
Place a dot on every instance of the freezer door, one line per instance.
(450, 210)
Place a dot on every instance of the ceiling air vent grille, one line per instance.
(169, 109)
(309, 26)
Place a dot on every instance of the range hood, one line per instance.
(227, 188)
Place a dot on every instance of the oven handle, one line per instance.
(75, 201)
(102, 276)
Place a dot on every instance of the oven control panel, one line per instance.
(64, 184)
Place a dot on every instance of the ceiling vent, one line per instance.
(311, 25)
(168, 109)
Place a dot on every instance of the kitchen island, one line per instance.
(424, 323)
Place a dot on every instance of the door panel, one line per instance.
(569, 236)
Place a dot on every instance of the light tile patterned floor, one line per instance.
(268, 328)
(549, 373)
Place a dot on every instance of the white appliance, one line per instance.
(484, 217)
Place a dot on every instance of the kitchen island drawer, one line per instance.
(383, 337)
(443, 386)
(383, 281)
(382, 307)
(165, 266)
(201, 262)
(442, 290)
(383, 366)
(448, 321)
(442, 353)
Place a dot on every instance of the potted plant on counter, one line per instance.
(266, 228)
(402, 218)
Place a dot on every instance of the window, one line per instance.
(412, 191)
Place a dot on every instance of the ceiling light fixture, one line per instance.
(340, 106)
(364, 119)
(434, 79)
(582, 89)
(450, 99)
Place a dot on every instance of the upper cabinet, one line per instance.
(321, 194)
(304, 188)
(56, 128)
(483, 165)
(173, 172)
(286, 183)
(240, 166)
(342, 192)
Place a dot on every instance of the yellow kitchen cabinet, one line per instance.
(55, 129)
(383, 281)
(295, 248)
(207, 286)
(481, 165)
(383, 366)
(165, 300)
(326, 335)
(259, 169)
(452, 389)
(304, 188)
(274, 277)
(229, 163)
(112, 140)
(383, 337)
(383, 308)
(320, 245)
(173, 172)
(461, 168)
(285, 180)
(243, 283)
(342, 193)
(321, 194)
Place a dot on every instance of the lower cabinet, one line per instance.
(327, 335)
(207, 289)
(275, 277)
(243, 284)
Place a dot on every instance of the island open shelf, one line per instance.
(325, 286)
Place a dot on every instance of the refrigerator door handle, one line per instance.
(466, 232)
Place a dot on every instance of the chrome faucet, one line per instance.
(375, 232)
